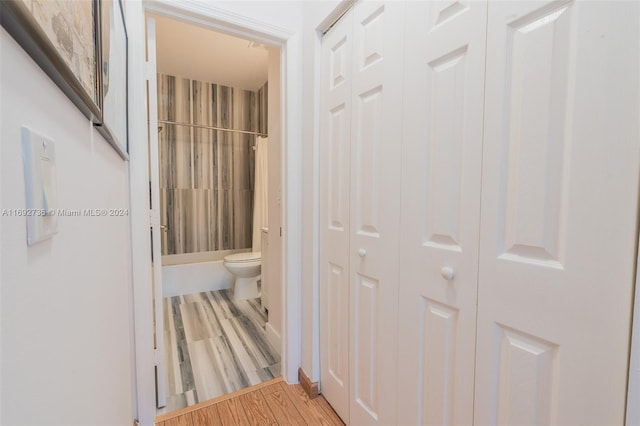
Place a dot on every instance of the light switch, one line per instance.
(39, 159)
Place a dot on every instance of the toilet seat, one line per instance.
(246, 257)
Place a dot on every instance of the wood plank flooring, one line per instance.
(273, 403)
(214, 345)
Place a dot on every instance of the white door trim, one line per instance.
(633, 386)
(156, 230)
(207, 15)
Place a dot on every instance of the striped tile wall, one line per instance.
(206, 176)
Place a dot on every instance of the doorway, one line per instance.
(289, 232)
(210, 186)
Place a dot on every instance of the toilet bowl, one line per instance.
(245, 268)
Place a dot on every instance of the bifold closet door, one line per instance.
(441, 171)
(376, 134)
(361, 111)
(335, 165)
(559, 211)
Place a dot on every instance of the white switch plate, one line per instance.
(39, 159)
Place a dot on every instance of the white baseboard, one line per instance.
(274, 338)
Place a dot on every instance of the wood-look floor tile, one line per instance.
(275, 370)
(174, 402)
(226, 308)
(274, 403)
(240, 352)
(270, 389)
(208, 315)
(184, 420)
(208, 381)
(264, 374)
(186, 367)
(255, 339)
(257, 410)
(233, 373)
(232, 413)
(174, 381)
(217, 345)
(311, 413)
(194, 327)
(282, 407)
(206, 416)
(329, 413)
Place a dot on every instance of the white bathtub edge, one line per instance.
(195, 278)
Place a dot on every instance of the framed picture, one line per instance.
(64, 38)
(113, 49)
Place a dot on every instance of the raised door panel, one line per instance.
(366, 316)
(441, 170)
(375, 180)
(337, 361)
(559, 208)
(533, 196)
(335, 137)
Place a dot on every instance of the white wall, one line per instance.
(66, 302)
(284, 14)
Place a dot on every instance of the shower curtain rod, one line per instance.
(246, 132)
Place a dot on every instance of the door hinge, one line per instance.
(281, 231)
(149, 70)
(154, 218)
(156, 357)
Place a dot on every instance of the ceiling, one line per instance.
(194, 52)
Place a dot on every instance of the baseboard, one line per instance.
(311, 388)
(274, 338)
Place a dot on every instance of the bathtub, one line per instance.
(195, 272)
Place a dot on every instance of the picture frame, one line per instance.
(113, 67)
(64, 38)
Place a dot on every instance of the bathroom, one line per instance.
(219, 183)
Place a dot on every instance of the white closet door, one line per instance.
(441, 171)
(559, 205)
(335, 137)
(376, 134)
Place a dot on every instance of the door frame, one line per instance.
(212, 17)
(632, 415)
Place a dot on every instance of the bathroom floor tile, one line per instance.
(214, 345)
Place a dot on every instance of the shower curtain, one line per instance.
(260, 218)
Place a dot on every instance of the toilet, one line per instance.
(245, 268)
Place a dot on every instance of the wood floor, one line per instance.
(270, 403)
